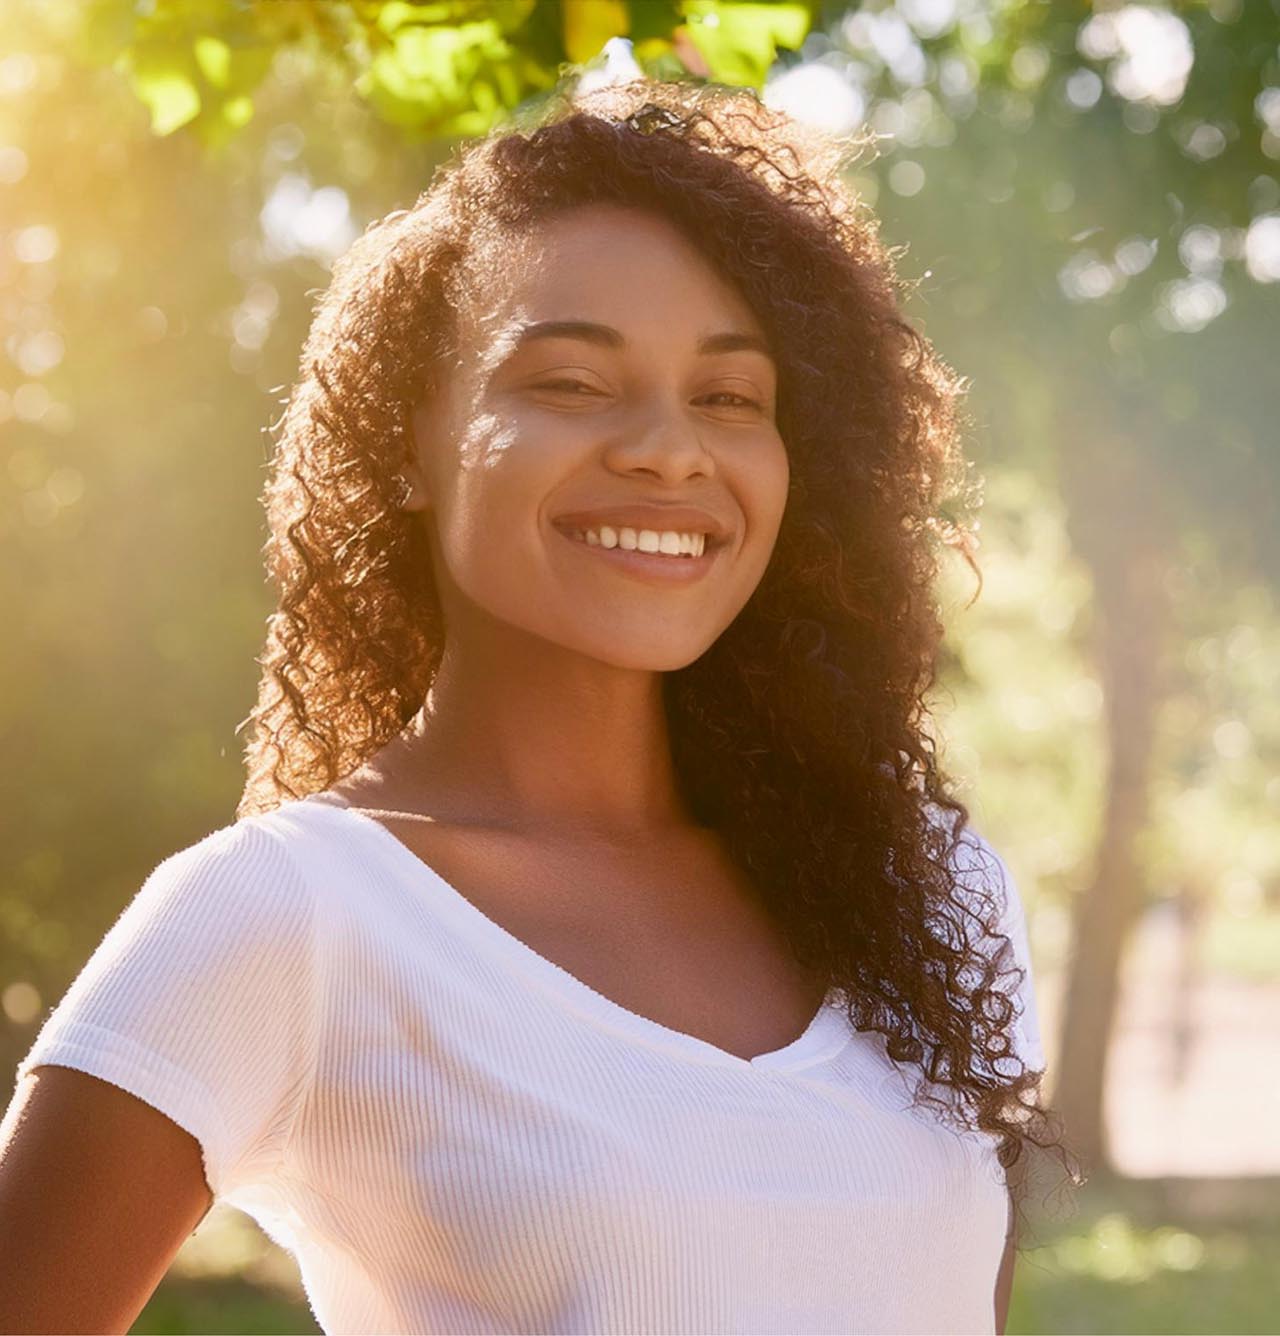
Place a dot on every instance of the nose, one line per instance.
(664, 444)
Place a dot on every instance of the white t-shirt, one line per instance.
(451, 1134)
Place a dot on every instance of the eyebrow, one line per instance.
(605, 336)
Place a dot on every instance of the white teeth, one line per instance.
(667, 541)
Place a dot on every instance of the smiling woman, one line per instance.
(598, 947)
(594, 356)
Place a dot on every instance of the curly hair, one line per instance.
(802, 734)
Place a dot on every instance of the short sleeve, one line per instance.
(978, 865)
(200, 1000)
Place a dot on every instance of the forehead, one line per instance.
(604, 262)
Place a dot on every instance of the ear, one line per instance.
(413, 471)
(418, 496)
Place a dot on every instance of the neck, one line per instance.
(535, 737)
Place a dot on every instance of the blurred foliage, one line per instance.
(1117, 1267)
(1243, 943)
(179, 1307)
(1103, 266)
(1021, 710)
(1094, 239)
(458, 67)
(1125, 225)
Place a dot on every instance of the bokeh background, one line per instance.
(1086, 198)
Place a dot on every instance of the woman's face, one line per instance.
(608, 379)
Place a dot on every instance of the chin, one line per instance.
(651, 658)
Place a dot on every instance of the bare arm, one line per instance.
(98, 1191)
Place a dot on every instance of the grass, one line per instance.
(1116, 1267)
(181, 1307)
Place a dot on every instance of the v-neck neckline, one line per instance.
(825, 1035)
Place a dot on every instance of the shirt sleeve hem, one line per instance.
(132, 1067)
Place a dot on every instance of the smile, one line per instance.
(659, 567)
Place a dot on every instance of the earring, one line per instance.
(403, 490)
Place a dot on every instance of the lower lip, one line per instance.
(650, 566)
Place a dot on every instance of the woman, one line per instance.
(595, 892)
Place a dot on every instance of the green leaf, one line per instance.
(653, 20)
(170, 96)
(739, 42)
(429, 55)
(388, 16)
(214, 58)
(396, 13)
(444, 78)
(238, 111)
(588, 25)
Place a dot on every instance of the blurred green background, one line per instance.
(1087, 202)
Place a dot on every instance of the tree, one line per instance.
(1097, 194)
(434, 70)
(1094, 187)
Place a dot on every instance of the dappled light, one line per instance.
(1084, 203)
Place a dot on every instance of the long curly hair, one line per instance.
(802, 734)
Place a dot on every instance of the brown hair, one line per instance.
(801, 734)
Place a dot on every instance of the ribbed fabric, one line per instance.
(452, 1134)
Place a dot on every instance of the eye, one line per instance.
(741, 401)
(565, 384)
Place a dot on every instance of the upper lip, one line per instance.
(681, 519)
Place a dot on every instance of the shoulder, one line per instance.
(272, 850)
(986, 906)
(988, 892)
(982, 876)
(237, 891)
(204, 997)
(305, 863)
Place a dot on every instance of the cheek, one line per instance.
(488, 514)
(487, 445)
(765, 491)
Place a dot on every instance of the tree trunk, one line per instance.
(1118, 528)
